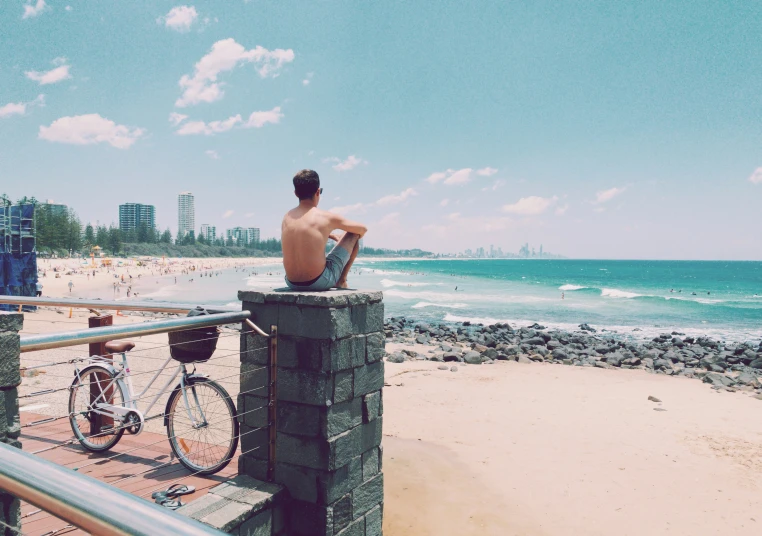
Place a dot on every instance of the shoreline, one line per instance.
(725, 366)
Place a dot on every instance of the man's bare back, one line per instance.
(305, 232)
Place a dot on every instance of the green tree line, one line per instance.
(61, 232)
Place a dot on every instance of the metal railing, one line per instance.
(46, 431)
(151, 306)
(86, 336)
(86, 502)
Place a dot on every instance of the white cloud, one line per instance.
(497, 184)
(224, 56)
(357, 208)
(176, 118)
(756, 177)
(607, 195)
(52, 76)
(351, 162)
(435, 177)
(308, 79)
(32, 10)
(451, 176)
(530, 206)
(394, 199)
(227, 214)
(560, 211)
(179, 18)
(248, 215)
(486, 172)
(214, 155)
(19, 108)
(68, 8)
(462, 176)
(90, 129)
(260, 119)
(444, 202)
(390, 219)
(13, 108)
(208, 129)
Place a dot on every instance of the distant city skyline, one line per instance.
(602, 130)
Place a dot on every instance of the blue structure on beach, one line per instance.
(18, 254)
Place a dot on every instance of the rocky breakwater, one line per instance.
(725, 366)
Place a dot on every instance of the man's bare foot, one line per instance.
(342, 284)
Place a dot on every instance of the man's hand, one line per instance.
(333, 237)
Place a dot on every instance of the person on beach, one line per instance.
(305, 231)
(38, 289)
(71, 284)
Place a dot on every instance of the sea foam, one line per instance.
(615, 293)
(391, 283)
(421, 305)
(571, 287)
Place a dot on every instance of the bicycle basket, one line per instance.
(193, 345)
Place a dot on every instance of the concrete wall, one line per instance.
(10, 425)
(330, 380)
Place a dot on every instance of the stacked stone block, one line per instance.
(330, 379)
(10, 424)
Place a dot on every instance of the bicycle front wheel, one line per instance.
(95, 431)
(203, 432)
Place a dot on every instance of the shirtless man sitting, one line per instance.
(305, 233)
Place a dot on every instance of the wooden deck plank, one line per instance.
(143, 465)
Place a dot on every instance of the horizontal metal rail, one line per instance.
(86, 503)
(108, 333)
(151, 306)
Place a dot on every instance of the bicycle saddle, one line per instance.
(118, 347)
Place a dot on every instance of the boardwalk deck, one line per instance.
(137, 464)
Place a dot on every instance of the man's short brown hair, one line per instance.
(306, 184)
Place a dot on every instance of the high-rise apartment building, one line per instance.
(56, 209)
(209, 232)
(133, 215)
(246, 236)
(186, 214)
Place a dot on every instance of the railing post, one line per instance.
(99, 349)
(10, 423)
(272, 402)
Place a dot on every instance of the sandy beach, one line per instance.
(113, 282)
(522, 449)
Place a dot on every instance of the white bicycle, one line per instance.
(201, 420)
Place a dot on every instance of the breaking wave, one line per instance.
(421, 305)
(616, 293)
(386, 283)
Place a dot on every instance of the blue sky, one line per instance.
(599, 129)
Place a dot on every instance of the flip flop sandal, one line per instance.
(172, 504)
(175, 490)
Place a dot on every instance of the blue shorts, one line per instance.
(335, 263)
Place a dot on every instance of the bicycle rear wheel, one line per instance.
(206, 443)
(95, 431)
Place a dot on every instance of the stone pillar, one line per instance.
(330, 380)
(10, 424)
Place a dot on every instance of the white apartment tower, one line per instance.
(209, 232)
(186, 214)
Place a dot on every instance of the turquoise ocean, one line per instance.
(635, 299)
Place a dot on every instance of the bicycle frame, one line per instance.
(124, 379)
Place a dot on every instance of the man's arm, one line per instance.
(340, 222)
